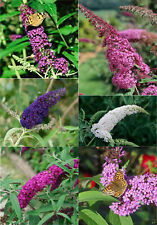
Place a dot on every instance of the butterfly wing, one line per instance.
(118, 186)
(35, 19)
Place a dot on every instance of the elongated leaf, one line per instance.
(17, 48)
(52, 10)
(119, 220)
(64, 215)
(71, 58)
(96, 196)
(62, 19)
(45, 218)
(15, 205)
(3, 17)
(92, 218)
(60, 202)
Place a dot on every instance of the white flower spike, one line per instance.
(109, 120)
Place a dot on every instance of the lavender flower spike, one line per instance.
(109, 120)
(38, 110)
(140, 190)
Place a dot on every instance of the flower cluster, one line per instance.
(52, 176)
(150, 90)
(41, 46)
(126, 64)
(140, 190)
(144, 12)
(13, 37)
(131, 34)
(35, 113)
(109, 120)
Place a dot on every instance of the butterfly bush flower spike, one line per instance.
(38, 110)
(103, 128)
(41, 46)
(53, 176)
(125, 63)
(140, 189)
(150, 90)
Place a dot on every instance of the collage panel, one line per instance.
(39, 39)
(117, 185)
(39, 113)
(117, 120)
(118, 47)
(39, 185)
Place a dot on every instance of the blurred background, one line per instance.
(139, 128)
(94, 70)
(19, 94)
(141, 160)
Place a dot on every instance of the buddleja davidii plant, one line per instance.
(122, 202)
(32, 118)
(125, 63)
(106, 123)
(58, 199)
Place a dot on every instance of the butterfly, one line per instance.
(118, 186)
(35, 19)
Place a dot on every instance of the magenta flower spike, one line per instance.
(125, 63)
(53, 176)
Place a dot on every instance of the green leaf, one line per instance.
(52, 10)
(16, 48)
(96, 196)
(15, 205)
(68, 29)
(62, 19)
(37, 6)
(16, 3)
(119, 220)
(70, 128)
(45, 218)
(6, 16)
(34, 220)
(92, 218)
(64, 215)
(60, 202)
(71, 58)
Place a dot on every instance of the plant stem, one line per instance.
(14, 66)
(62, 37)
(18, 140)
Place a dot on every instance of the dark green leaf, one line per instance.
(71, 58)
(45, 218)
(15, 205)
(52, 10)
(92, 218)
(96, 196)
(62, 19)
(119, 220)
